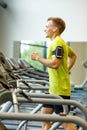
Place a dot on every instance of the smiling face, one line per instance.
(54, 27)
(50, 29)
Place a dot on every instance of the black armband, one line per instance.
(59, 52)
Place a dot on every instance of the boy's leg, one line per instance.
(46, 125)
(69, 126)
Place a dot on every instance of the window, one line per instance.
(28, 47)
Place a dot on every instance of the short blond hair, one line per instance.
(58, 22)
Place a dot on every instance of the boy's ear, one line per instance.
(54, 29)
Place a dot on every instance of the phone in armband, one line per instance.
(59, 52)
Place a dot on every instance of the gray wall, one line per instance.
(78, 72)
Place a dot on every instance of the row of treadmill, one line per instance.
(23, 91)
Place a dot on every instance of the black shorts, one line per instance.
(57, 108)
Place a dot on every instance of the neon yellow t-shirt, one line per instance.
(59, 79)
